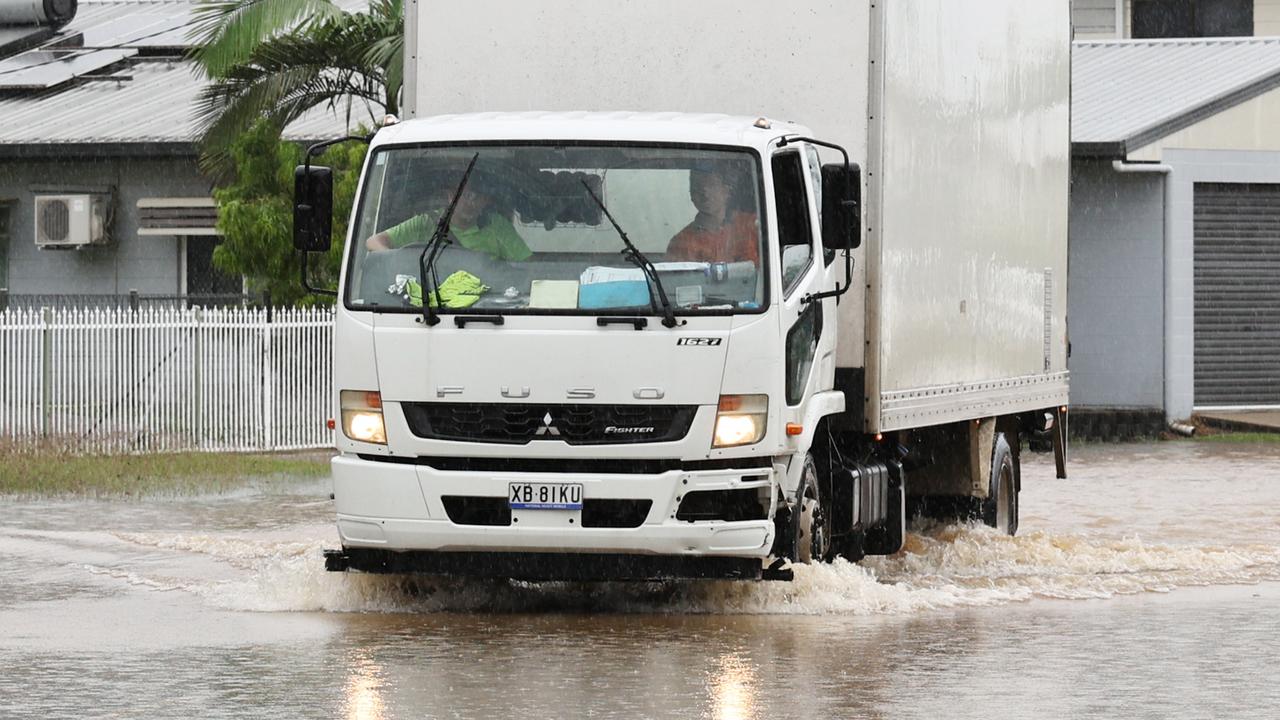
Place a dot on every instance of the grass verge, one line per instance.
(27, 473)
(1239, 437)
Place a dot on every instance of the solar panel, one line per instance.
(153, 25)
(16, 39)
(42, 69)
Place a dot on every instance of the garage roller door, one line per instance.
(1237, 295)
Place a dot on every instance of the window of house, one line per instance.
(201, 276)
(1192, 18)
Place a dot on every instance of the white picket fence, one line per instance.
(165, 379)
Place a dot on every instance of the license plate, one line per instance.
(545, 496)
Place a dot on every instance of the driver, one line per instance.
(721, 232)
(478, 224)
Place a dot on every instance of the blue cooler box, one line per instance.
(620, 294)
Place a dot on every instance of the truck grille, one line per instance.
(520, 423)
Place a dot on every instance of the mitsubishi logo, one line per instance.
(547, 428)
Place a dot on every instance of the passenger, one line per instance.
(721, 232)
(478, 224)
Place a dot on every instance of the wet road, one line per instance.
(1148, 585)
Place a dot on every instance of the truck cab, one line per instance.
(554, 410)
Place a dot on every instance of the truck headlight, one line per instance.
(741, 420)
(362, 416)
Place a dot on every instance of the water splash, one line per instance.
(940, 567)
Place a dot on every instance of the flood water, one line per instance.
(1148, 585)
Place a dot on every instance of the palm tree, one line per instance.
(277, 59)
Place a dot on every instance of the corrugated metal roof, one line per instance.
(143, 101)
(1129, 93)
(155, 105)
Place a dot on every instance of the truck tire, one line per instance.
(1000, 509)
(812, 537)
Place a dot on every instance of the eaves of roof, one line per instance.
(1127, 94)
(148, 111)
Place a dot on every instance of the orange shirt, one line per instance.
(735, 241)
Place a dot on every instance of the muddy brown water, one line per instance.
(1147, 585)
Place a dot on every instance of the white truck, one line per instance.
(669, 331)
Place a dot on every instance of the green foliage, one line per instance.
(270, 62)
(227, 31)
(255, 214)
(1241, 437)
(279, 59)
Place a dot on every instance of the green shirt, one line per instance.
(495, 236)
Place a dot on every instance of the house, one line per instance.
(1181, 19)
(1175, 215)
(100, 190)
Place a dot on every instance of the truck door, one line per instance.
(807, 326)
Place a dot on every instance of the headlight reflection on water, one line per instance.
(733, 689)
(364, 688)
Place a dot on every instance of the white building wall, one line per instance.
(1266, 18)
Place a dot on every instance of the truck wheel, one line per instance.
(813, 541)
(1000, 509)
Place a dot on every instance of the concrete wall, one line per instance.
(147, 264)
(1116, 287)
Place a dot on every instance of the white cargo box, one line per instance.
(957, 110)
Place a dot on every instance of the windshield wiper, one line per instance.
(439, 240)
(633, 255)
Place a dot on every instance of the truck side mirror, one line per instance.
(312, 208)
(841, 206)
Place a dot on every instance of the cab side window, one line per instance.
(815, 177)
(815, 182)
(794, 232)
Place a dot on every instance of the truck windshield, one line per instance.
(526, 236)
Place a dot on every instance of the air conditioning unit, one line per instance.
(71, 221)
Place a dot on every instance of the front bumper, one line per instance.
(539, 567)
(400, 507)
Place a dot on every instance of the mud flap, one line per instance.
(848, 508)
(784, 532)
(1060, 441)
(336, 560)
